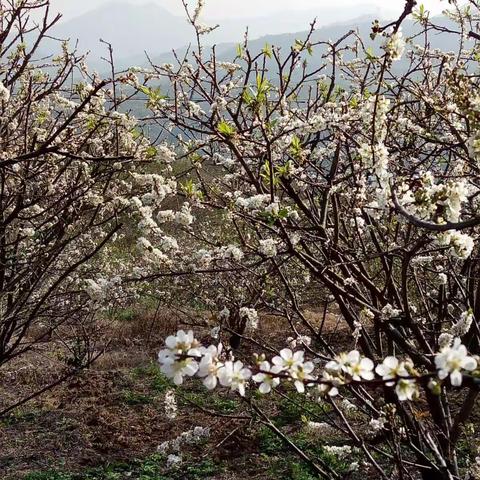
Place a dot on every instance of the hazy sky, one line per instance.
(244, 8)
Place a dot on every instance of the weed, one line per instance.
(152, 468)
(134, 398)
(295, 408)
(51, 475)
(301, 471)
(126, 315)
(213, 402)
(205, 469)
(270, 443)
(20, 416)
(158, 381)
(287, 465)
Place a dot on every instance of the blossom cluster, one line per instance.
(439, 201)
(184, 357)
(395, 45)
(173, 447)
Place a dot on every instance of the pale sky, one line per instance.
(244, 8)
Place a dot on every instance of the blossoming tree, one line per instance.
(355, 180)
(338, 173)
(71, 164)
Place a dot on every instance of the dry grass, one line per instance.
(113, 412)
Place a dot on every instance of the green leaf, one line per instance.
(154, 94)
(92, 123)
(267, 50)
(225, 129)
(191, 190)
(144, 89)
(247, 96)
(188, 187)
(298, 45)
(151, 152)
(296, 147)
(370, 54)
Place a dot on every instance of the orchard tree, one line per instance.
(355, 180)
(71, 165)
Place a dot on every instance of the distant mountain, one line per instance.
(233, 29)
(134, 29)
(130, 29)
(444, 41)
(228, 51)
(362, 25)
(284, 42)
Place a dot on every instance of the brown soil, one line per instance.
(109, 413)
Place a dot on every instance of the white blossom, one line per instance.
(342, 452)
(210, 365)
(234, 375)
(391, 368)
(173, 460)
(461, 328)
(353, 364)
(452, 360)
(4, 93)
(461, 244)
(268, 247)
(395, 45)
(294, 364)
(377, 424)
(184, 216)
(445, 340)
(406, 389)
(178, 359)
(267, 381)
(329, 384)
(170, 404)
(251, 316)
(288, 360)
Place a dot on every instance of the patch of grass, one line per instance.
(51, 475)
(467, 445)
(134, 398)
(127, 314)
(302, 471)
(209, 400)
(314, 448)
(285, 464)
(270, 443)
(151, 468)
(145, 371)
(20, 416)
(158, 381)
(205, 469)
(194, 392)
(296, 408)
(289, 467)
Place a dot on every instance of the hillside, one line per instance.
(130, 29)
(284, 41)
(136, 29)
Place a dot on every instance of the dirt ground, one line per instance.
(108, 421)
